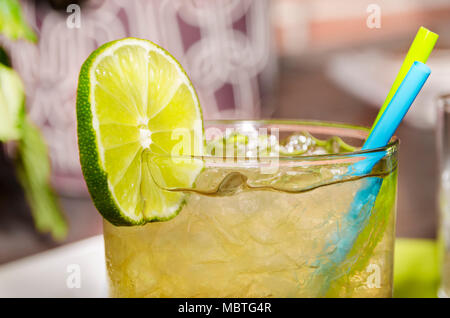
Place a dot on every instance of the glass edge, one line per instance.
(442, 103)
(393, 144)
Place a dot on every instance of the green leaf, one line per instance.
(12, 99)
(33, 171)
(32, 162)
(12, 23)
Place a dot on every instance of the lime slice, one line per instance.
(132, 95)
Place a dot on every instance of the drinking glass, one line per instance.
(265, 225)
(443, 135)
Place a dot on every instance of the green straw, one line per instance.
(420, 49)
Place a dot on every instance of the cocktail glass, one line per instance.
(443, 135)
(260, 226)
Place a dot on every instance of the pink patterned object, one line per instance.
(224, 45)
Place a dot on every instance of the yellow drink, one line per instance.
(238, 241)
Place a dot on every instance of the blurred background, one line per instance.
(292, 59)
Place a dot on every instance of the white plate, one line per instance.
(73, 270)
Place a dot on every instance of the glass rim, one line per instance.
(391, 146)
(442, 101)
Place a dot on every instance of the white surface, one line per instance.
(369, 75)
(53, 273)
